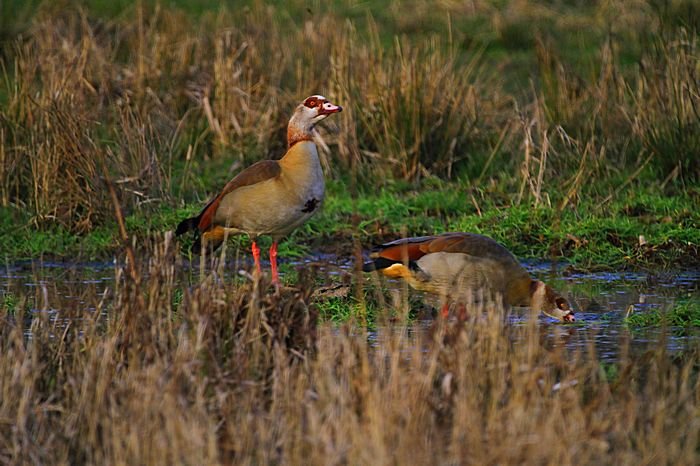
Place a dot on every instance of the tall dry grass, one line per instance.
(69, 123)
(138, 97)
(175, 372)
(167, 370)
(145, 94)
(668, 90)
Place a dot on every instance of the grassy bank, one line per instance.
(685, 315)
(511, 109)
(636, 229)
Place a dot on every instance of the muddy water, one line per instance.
(601, 300)
(51, 287)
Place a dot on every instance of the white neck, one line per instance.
(537, 298)
(299, 129)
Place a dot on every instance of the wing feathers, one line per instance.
(398, 252)
(186, 225)
(256, 173)
(412, 249)
(401, 252)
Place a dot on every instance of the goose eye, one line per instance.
(562, 304)
(311, 103)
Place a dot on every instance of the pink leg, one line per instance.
(273, 263)
(256, 257)
(445, 311)
(463, 314)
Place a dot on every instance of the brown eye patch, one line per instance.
(311, 102)
(562, 304)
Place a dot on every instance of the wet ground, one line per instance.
(601, 300)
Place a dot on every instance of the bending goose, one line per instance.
(454, 265)
(271, 197)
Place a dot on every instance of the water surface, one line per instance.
(601, 299)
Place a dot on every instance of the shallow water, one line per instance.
(601, 300)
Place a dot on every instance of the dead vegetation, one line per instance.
(166, 369)
(176, 372)
(153, 94)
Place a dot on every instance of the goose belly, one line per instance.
(270, 207)
(461, 275)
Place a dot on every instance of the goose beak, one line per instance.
(569, 317)
(327, 108)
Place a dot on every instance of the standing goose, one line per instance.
(271, 197)
(455, 265)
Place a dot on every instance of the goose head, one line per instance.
(551, 303)
(307, 114)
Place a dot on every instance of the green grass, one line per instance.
(8, 303)
(541, 65)
(564, 129)
(339, 309)
(592, 235)
(374, 306)
(685, 313)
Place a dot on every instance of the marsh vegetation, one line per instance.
(569, 131)
(169, 369)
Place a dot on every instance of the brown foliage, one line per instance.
(171, 372)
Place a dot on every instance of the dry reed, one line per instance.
(144, 93)
(214, 373)
(166, 371)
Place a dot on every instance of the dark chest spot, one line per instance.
(310, 205)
